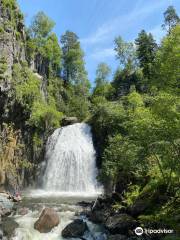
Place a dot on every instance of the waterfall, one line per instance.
(71, 160)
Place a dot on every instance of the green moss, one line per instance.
(43, 114)
(3, 67)
(1, 30)
(9, 3)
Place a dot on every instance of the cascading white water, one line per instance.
(71, 160)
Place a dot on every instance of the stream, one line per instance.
(68, 209)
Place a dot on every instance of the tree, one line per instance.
(171, 19)
(167, 67)
(125, 53)
(146, 52)
(52, 52)
(102, 73)
(42, 46)
(41, 25)
(73, 62)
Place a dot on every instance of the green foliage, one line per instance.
(171, 19)
(44, 116)
(75, 102)
(131, 194)
(146, 51)
(124, 80)
(125, 53)
(73, 62)
(3, 67)
(14, 17)
(102, 74)
(26, 85)
(41, 25)
(9, 3)
(120, 155)
(167, 70)
(43, 47)
(105, 90)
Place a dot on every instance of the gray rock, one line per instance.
(9, 226)
(120, 224)
(98, 216)
(5, 203)
(5, 212)
(69, 120)
(75, 229)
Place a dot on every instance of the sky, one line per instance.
(98, 22)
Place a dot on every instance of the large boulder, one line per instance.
(120, 224)
(47, 220)
(140, 206)
(76, 229)
(69, 120)
(98, 216)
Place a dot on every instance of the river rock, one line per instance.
(117, 237)
(47, 220)
(69, 120)
(75, 229)
(9, 226)
(98, 216)
(5, 203)
(5, 212)
(23, 211)
(120, 224)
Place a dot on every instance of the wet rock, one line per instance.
(9, 226)
(23, 211)
(5, 212)
(1, 234)
(139, 207)
(120, 224)
(117, 237)
(47, 220)
(5, 203)
(76, 229)
(98, 216)
(69, 120)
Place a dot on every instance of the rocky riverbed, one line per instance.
(71, 217)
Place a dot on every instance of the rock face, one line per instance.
(12, 41)
(75, 229)
(47, 220)
(120, 224)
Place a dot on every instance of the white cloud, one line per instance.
(122, 22)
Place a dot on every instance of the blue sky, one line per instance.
(98, 22)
